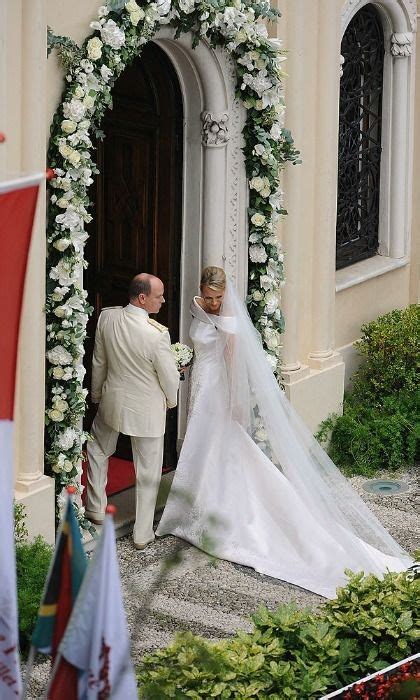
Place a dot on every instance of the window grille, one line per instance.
(359, 145)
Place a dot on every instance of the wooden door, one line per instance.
(138, 196)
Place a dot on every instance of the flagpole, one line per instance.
(57, 660)
(32, 652)
(29, 666)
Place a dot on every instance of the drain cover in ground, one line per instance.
(385, 487)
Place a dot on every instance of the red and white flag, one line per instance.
(96, 640)
(17, 210)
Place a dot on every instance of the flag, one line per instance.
(96, 640)
(64, 579)
(17, 210)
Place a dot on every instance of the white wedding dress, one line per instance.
(252, 485)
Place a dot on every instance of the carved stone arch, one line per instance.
(402, 14)
(215, 186)
(399, 25)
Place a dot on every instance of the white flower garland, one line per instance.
(119, 33)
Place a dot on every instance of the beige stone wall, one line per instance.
(22, 118)
(324, 310)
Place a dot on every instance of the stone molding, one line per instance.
(409, 7)
(402, 44)
(214, 130)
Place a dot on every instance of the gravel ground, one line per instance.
(215, 598)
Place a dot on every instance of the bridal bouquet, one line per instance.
(183, 355)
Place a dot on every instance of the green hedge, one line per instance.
(32, 562)
(294, 653)
(380, 425)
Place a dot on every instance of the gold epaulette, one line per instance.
(157, 325)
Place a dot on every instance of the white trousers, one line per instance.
(147, 457)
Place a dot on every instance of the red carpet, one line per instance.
(120, 475)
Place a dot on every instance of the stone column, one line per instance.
(33, 488)
(323, 260)
(401, 49)
(298, 201)
(214, 136)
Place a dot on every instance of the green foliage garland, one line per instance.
(118, 36)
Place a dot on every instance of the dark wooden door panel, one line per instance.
(138, 195)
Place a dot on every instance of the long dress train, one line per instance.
(252, 485)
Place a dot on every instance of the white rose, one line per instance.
(59, 356)
(61, 244)
(94, 48)
(271, 302)
(135, 17)
(62, 312)
(131, 6)
(266, 282)
(68, 466)
(257, 295)
(55, 415)
(58, 372)
(79, 92)
(112, 35)
(68, 126)
(257, 254)
(61, 405)
(89, 101)
(258, 219)
(74, 110)
(69, 154)
(271, 337)
(265, 192)
(257, 183)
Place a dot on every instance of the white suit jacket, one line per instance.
(134, 373)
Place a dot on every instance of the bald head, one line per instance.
(146, 291)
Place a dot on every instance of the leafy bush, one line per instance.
(294, 653)
(368, 438)
(380, 426)
(390, 347)
(32, 562)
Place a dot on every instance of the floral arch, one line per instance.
(118, 36)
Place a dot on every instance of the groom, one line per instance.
(134, 380)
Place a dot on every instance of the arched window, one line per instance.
(359, 148)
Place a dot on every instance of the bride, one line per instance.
(252, 484)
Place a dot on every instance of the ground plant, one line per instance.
(292, 653)
(380, 425)
(32, 562)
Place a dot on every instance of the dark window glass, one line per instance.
(359, 146)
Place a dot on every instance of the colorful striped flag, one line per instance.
(17, 210)
(64, 579)
(96, 640)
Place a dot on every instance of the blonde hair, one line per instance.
(214, 278)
